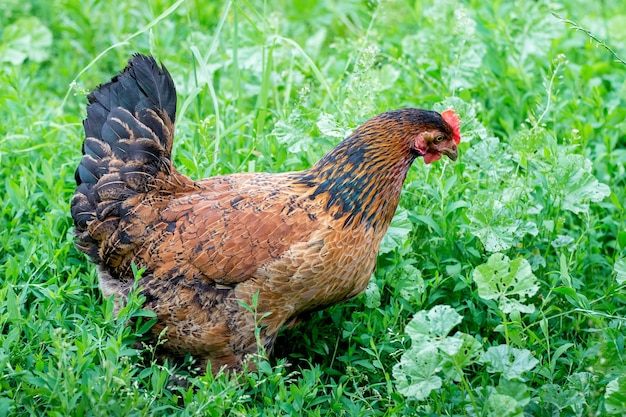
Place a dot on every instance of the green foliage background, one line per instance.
(500, 288)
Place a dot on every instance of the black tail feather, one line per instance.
(132, 105)
(129, 131)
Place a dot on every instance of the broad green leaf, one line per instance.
(495, 225)
(509, 361)
(470, 349)
(429, 329)
(432, 351)
(501, 279)
(615, 396)
(572, 183)
(562, 240)
(620, 270)
(328, 125)
(514, 389)
(398, 232)
(408, 280)
(466, 354)
(584, 382)
(293, 132)
(416, 373)
(561, 397)
(27, 38)
(291, 135)
(488, 156)
(436, 322)
(500, 405)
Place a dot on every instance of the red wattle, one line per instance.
(431, 157)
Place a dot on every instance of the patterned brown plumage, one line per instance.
(301, 240)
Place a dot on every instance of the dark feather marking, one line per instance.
(235, 201)
(378, 147)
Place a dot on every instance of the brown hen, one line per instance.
(300, 240)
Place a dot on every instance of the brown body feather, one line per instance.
(301, 240)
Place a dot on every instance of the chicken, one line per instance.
(282, 245)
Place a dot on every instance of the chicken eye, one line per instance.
(439, 139)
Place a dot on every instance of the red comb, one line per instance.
(453, 120)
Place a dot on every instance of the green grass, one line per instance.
(500, 290)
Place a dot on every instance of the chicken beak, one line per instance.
(451, 153)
